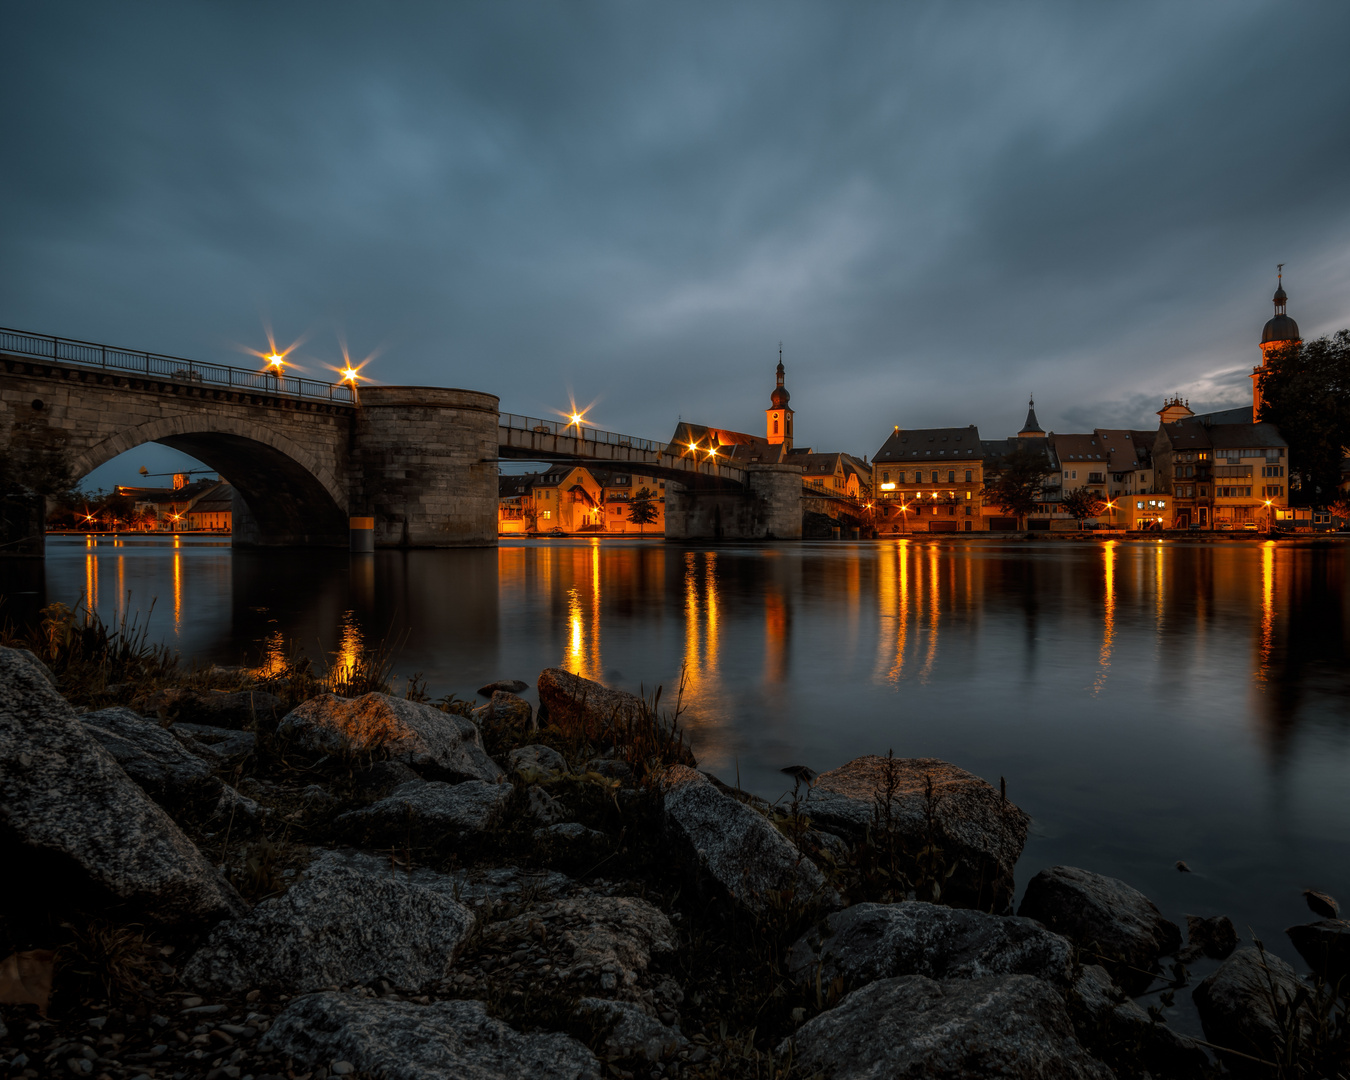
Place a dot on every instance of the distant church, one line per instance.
(1280, 332)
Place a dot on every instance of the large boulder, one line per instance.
(924, 802)
(1012, 1026)
(1325, 945)
(339, 924)
(220, 746)
(629, 1032)
(73, 813)
(1112, 922)
(882, 941)
(151, 756)
(430, 807)
(445, 745)
(1248, 1005)
(506, 710)
(738, 847)
(604, 944)
(535, 762)
(421, 1042)
(591, 709)
(1118, 1031)
(474, 886)
(240, 709)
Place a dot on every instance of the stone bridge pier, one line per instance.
(768, 507)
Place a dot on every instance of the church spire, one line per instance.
(1031, 429)
(778, 416)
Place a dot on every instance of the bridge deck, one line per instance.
(111, 358)
(529, 438)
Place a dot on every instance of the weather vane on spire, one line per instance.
(1279, 271)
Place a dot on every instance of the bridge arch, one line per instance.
(294, 499)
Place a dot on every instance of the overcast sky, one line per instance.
(937, 208)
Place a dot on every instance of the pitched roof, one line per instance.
(931, 444)
(1226, 436)
(730, 445)
(1085, 449)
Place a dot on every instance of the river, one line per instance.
(1148, 702)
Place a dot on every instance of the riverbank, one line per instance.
(310, 884)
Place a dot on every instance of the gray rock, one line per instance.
(1112, 922)
(1238, 1005)
(592, 710)
(430, 806)
(474, 887)
(69, 805)
(336, 926)
(151, 756)
(537, 762)
(591, 937)
(1325, 945)
(384, 775)
(218, 745)
(737, 847)
(611, 768)
(442, 744)
(571, 831)
(1012, 1026)
(241, 709)
(42, 668)
(231, 805)
(397, 1039)
(1215, 936)
(510, 686)
(880, 941)
(979, 832)
(1117, 1030)
(543, 807)
(630, 1032)
(507, 710)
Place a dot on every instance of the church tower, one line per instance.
(1279, 333)
(778, 416)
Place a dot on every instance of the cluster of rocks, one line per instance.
(363, 964)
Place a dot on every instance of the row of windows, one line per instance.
(933, 477)
(1272, 470)
(1272, 489)
(1233, 492)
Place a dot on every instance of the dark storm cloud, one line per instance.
(938, 208)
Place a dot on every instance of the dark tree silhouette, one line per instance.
(1305, 391)
(642, 508)
(1083, 503)
(1015, 482)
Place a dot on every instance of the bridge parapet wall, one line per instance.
(427, 462)
(768, 508)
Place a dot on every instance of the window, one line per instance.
(1203, 491)
(967, 508)
(885, 478)
(1075, 474)
(951, 476)
(775, 425)
(546, 514)
(967, 500)
(935, 476)
(969, 474)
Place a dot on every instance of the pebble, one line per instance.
(343, 1068)
(97, 1022)
(191, 1003)
(204, 1010)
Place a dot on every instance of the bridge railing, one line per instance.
(579, 431)
(108, 357)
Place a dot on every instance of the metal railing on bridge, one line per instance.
(110, 358)
(568, 430)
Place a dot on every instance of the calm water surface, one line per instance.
(1147, 702)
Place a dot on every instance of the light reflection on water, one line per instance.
(1147, 702)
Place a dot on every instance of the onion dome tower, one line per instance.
(778, 416)
(1279, 333)
(1031, 429)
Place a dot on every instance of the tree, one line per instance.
(642, 508)
(1305, 392)
(1015, 482)
(1083, 503)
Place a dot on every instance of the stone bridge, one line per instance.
(307, 456)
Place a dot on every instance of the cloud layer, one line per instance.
(938, 209)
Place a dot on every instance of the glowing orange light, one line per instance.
(350, 375)
(713, 452)
(275, 360)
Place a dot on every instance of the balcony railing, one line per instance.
(110, 358)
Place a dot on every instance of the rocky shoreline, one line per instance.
(245, 885)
